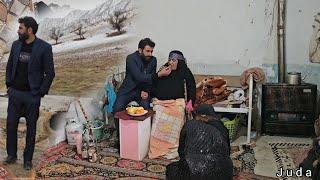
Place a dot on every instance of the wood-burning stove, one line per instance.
(288, 109)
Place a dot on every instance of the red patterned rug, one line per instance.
(61, 162)
(5, 173)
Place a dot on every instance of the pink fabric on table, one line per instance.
(134, 135)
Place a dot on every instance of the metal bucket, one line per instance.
(294, 78)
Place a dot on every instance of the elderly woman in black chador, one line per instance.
(173, 85)
(204, 149)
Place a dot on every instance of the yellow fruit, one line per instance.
(139, 111)
(140, 108)
(135, 110)
(131, 110)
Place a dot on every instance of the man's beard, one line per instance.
(145, 58)
(23, 37)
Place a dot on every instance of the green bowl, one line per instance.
(97, 129)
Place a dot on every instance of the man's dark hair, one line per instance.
(146, 41)
(29, 22)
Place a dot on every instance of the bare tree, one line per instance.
(119, 17)
(79, 30)
(55, 34)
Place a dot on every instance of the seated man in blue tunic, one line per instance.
(140, 72)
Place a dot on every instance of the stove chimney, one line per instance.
(281, 44)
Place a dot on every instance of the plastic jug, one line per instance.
(74, 129)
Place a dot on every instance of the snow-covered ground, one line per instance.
(95, 40)
(86, 17)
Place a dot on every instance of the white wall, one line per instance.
(215, 34)
(299, 29)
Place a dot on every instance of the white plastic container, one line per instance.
(74, 128)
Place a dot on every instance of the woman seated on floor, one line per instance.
(169, 104)
(204, 149)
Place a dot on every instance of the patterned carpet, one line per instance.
(243, 159)
(61, 162)
(288, 156)
(275, 152)
(244, 162)
(5, 173)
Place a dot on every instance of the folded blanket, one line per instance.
(166, 126)
(211, 91)
(215, 82)
(218, 91)
(257, 73)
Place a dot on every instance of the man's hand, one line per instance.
(144, 95)
(164, 72)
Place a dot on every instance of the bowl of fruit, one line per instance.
(136, 111)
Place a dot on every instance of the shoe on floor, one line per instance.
(27, 165)
(10, 160)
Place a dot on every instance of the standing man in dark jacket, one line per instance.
(29, 74)
(140, 71)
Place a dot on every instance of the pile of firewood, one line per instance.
(211, 91)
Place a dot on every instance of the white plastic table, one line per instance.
(246, 110)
